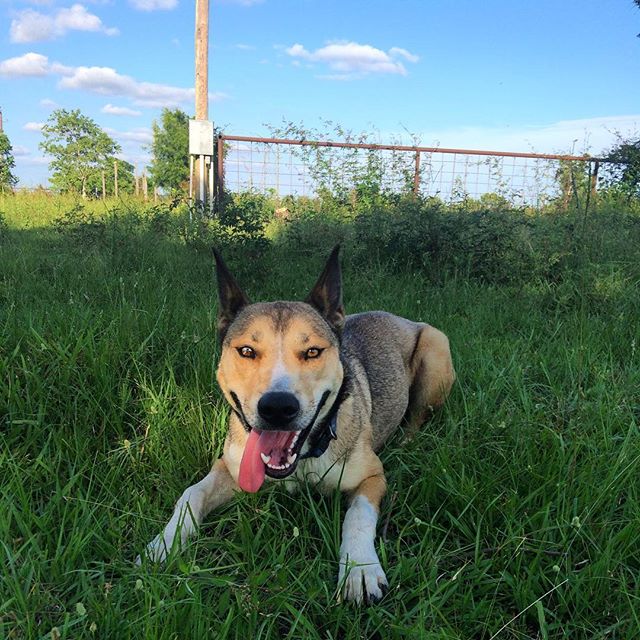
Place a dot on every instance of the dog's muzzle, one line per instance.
(273, 447)
(278, 410)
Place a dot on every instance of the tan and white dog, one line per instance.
(314, 395)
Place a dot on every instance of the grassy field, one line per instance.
(514, 514)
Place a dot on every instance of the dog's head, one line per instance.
(280, 369)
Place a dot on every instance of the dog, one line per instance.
(314, 394)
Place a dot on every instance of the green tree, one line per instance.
(624, 171)
(79, 147)
(170, 150)
(125, 179)
(7, 163)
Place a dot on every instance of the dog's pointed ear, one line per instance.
(326, 295)
(231, 298)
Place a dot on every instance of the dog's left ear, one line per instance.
(231, 298)
(326, 295)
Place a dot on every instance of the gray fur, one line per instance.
(382, 344)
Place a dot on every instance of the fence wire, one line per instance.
(302, 168)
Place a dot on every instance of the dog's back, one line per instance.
(404, 364)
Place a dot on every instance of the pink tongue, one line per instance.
(252, 468)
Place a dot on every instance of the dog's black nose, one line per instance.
(278, 408)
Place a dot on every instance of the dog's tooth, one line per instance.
(265, 458)
(292, 458)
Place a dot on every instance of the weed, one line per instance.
(516, 509)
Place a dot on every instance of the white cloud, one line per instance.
(30, 64)
(137, 159)
(403, 53)
(33, 26)
(47, 103)
(588, 135)
(33, 126)
(141, 135)
(244, 47)
(103, 81)
(353, 60)
(119, 111)
(153, 5)
(20, 151)
(35, 160)
(106, 81)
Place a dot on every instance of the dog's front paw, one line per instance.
(157, 550)
(362, 580)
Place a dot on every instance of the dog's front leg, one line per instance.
(361, 577)
(216, 488)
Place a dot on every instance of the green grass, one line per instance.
(514, 514)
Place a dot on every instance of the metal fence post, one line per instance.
(416, 176)
(593, 185)
(594, 179)
(219, 177)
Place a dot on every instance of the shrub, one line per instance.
(82, 226)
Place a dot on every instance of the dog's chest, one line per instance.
(331, 471)
(323, 472)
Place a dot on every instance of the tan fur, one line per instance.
(374, 489)
(433, 377)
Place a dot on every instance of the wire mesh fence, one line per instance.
(307, 168)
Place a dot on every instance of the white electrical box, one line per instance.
(200, 137)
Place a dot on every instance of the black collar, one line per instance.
(328, 429)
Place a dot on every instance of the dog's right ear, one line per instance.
(231, 298)
(326, 295)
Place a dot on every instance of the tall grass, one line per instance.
(514, 514)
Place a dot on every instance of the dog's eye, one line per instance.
(246, 352)
(313, 352)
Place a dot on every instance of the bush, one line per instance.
(82, 226)
(480, 239)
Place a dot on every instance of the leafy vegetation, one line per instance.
(80, 150)
(514, 513)
(7, 163)
(170, 150)
(624, 174)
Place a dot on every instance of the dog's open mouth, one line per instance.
(272, 453)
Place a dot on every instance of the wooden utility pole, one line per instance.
(202, 90)
(202, 59)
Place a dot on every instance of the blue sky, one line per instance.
(551, 76)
